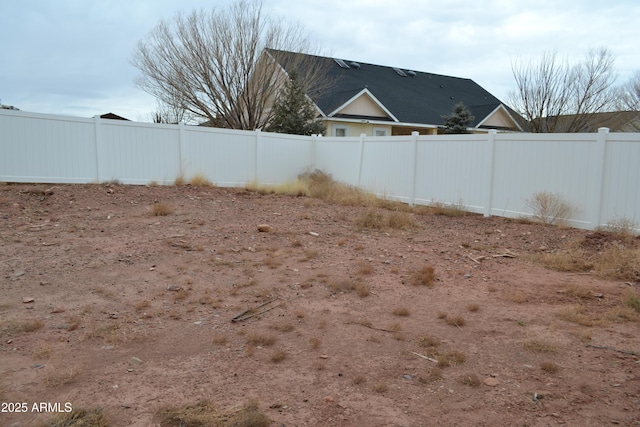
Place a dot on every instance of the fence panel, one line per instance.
(137, 153)
(528, 164)
(493, 174)
(339, 157)
(46, 148)
(225, 157)
(282, 157)
(451, 169)
(387, 167)
(621, 183)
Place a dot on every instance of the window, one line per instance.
(380, 132)
(340, 131)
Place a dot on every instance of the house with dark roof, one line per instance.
(380, 100)
(112, 116)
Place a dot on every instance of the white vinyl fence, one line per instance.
(492, 174)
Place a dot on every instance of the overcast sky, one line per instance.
(73, 57)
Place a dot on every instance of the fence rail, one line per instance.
(492, 174)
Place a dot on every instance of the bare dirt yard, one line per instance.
(166, 305)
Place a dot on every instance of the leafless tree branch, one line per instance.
(212, 64)
(555, 96)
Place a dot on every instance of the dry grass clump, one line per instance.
(219, 339)
(364, 268)
(618, 262)
(43, 351)
(572, 259)
(515, 296)
(425, 276)
(577, 313)
(427, 341)
(116, 333)
(582, 292)
(14, 327)
(371, 219)
(380, 387)
(400, 220)
(473, 307)
(283, 327)
(623, 229)
(550, 208)
(540, 345)
(322, 186)
(549, 367)
(278, 356)
(401, 311)
(451, 358)
(471, 380)
(315, 342)
(161, 209)
(359, 379)
(434, 374)
(58, 376)
(374, 219)
(348, 285)
(265, 340)
(200, 180)
(205, 413)
(78, 417)
(610, 256)
(295, 188)
(456, 320)
(632, 300)
(452, 210)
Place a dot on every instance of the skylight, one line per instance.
(341, 63)
(399, 72)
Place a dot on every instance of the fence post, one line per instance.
(257, 151)
(414, 138)
(599, 174)
(491, 153)
(98, 143)
(314, 138)
(362, 137)
(181, 132)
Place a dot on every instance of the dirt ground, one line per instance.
(103, 303)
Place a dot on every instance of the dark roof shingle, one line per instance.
(417, 97)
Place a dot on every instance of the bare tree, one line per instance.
(218, 65)
(555, 96)
(172, 113)
(629, 98)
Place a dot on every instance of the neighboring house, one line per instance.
(379, 100)
(616, 121)
(112, 116)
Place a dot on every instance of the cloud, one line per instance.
(73, 56)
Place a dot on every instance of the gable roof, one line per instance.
(112, 116)
(408, 96)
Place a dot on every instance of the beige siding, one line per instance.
(355, 128)
(364, 106)
(499, 119)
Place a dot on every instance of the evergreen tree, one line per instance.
(458, 120)
(293, 113)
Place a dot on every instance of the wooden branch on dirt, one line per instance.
(477, 261)
(248, 314)
(604, 347)
(425, 357)
(506, 254)
(369, 326)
